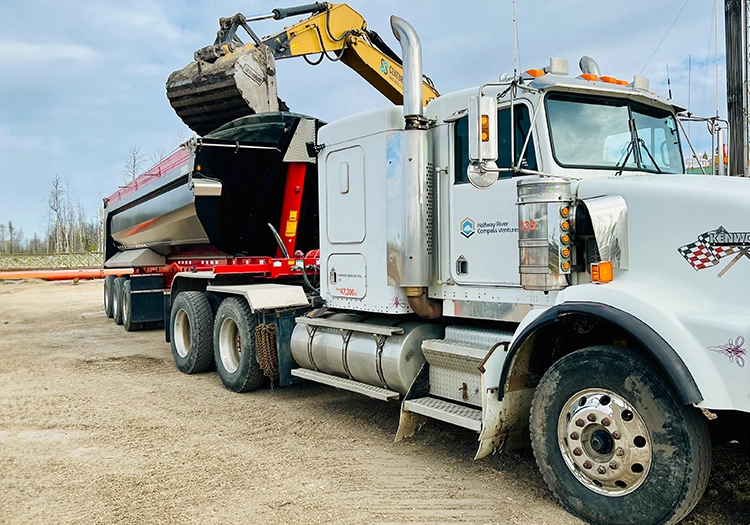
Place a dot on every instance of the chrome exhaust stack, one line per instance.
(410, 186)
(411, 51)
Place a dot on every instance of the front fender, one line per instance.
(686, 337)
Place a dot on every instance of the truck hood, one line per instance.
(688, 236)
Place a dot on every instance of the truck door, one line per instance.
(484, 222)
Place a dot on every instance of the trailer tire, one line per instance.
(191, 329)
(109, 282)
(117, 290)
(234, 346)
(127, 309)
(613, 441)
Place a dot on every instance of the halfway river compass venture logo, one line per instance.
(712, 246)
(467, 227)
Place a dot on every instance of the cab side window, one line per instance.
(521, 129)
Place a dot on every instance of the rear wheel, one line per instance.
(234, 346)
(117, 290)
(613, 441)
(109, 283)
(127, 309)
(191, 331)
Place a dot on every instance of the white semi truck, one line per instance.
(526, 259)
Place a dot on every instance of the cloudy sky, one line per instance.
(81, 81)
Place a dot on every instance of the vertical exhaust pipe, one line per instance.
(411, 52)
(411, 177)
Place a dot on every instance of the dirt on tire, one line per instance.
(98, 426)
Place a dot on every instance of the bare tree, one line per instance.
(132, 163)
(157, 156)
(16, 238)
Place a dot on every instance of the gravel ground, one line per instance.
(97, 426)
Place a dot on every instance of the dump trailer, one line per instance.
(526, 259)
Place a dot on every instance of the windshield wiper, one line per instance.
(625, 160)
(642, 143)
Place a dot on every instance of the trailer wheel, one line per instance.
(109, 283)
(117, 289)
(613, 441)
(127, 309)
(191, 328)
(234, 346)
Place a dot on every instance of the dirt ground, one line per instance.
(97, 426)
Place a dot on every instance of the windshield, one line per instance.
(595, 132)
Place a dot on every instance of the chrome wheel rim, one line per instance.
(182, 333)
(605, 442)
(230, 345)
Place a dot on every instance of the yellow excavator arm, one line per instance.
(230, 79)
(341, 34)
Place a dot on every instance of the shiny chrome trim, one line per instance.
(609, 218)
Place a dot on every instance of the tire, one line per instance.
(127, 309)
(234, 346)
(191, 329)
(117, 290)
(613, 441)
(109, 283)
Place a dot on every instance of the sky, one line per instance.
(82, 81)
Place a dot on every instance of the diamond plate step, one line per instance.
(434, 408)
(350, 385)
(455, 362)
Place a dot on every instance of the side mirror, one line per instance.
(483, 129)
(482, 170)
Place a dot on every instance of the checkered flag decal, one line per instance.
(701, 254)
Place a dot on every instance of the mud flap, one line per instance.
(410, 422)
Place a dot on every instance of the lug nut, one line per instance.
(601, 470)
(619, 452)
(606, 422)
(579, 422)
(613, 465)
(591, 417)
(615, 435)
(587, 464)
(574, 436)
(577, 451)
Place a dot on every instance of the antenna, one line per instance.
(515, 42)
(669, 83)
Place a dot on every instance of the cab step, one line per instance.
(442, 410)
(381, 394)
(456, 360)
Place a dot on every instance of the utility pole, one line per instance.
(737, 55)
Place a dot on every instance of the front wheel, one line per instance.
(613, 441)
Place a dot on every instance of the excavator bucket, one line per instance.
(208, 94)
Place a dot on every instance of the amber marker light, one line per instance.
(565, 238)
(565, 225)
(566, 266)
(565, 211)
(198, 167)
(566, 252)
(590, 77)
(535, 72)
(485, 128)
(602, 272)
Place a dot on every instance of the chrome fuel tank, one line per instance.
(385, 361)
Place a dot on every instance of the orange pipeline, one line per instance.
(65, 275)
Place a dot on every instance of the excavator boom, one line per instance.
(231, 79)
